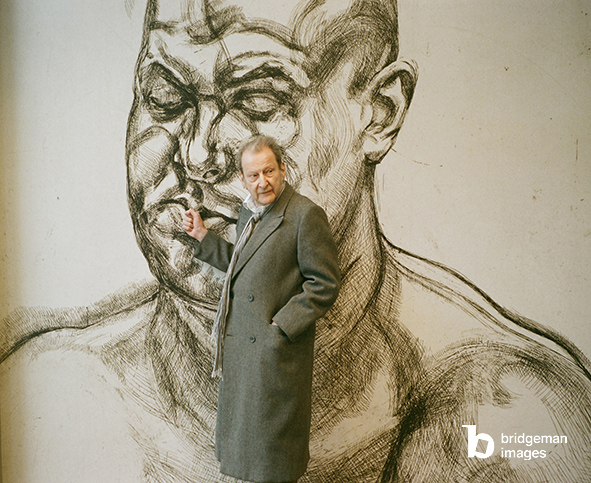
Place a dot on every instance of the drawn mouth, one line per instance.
(207, 214)
(166, 219)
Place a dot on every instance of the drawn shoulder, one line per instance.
(432, 293)
(38, 328)
(489, 367)
(65, 411)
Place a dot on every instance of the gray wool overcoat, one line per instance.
(287, 273)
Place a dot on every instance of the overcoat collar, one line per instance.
(267, 225)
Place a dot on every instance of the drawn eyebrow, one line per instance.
(157, 69)
(248, 67)
(167, 71)
(168, 27)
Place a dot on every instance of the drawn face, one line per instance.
(211, 75)
(262, 176)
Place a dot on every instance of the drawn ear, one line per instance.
(388, 97)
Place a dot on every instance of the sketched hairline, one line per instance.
(267, 27)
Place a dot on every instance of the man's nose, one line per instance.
(263, 182)
(202, 158)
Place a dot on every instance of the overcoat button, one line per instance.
(250, 297)
(252, 339)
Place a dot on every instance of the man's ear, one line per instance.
(387, 97)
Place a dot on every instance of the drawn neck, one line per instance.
(182, 355)
(361, 254)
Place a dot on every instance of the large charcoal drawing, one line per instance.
(391, 401)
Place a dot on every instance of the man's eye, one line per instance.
(259, 106)
(164, 100)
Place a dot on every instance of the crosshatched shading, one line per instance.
(390, 400)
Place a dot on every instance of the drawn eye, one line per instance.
(163, 99)
(259, 106)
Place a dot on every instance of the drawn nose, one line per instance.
(204, 161)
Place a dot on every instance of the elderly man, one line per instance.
(410, 353)
(281, 276)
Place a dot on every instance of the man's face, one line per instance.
(262, 176)
(209, 76)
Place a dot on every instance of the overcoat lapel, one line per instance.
(268, 224)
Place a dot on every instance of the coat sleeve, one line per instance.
(216, 251)
(318, 262)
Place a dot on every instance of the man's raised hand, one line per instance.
(193, 224)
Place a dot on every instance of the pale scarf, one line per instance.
(218, 332)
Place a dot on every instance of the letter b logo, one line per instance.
(473, 439)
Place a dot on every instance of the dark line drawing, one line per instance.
(411, 352)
